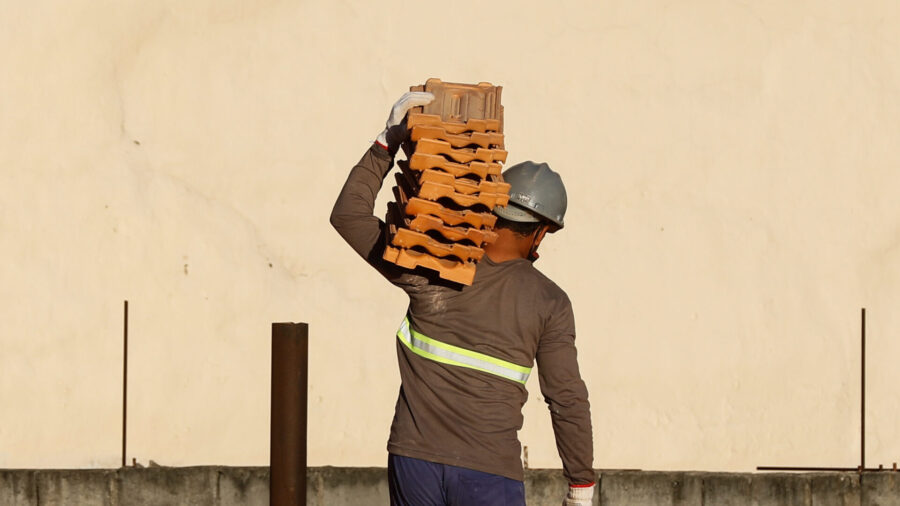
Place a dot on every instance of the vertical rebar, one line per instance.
(125, 385)
(862, 425)
(287, 445)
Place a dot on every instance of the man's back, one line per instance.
(462, 416)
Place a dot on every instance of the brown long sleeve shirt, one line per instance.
(456, 415)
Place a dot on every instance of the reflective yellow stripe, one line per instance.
(444, 353)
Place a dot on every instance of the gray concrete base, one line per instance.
(343, 486)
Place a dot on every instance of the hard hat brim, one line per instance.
(515, 213)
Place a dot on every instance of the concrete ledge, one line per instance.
(662, 488)
(17, 488)
(160, 485)
(881, 489)
(58, 487)
(340, 486)
(345, 485)
(243, 485)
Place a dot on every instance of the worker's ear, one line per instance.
(541, 232)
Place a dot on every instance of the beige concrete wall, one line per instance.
(733, 173)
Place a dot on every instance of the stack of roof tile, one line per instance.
(450, 182)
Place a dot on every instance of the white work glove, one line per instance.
(579, 496)
(395, 128)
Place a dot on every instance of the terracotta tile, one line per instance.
(417, 206)
(483, 139)
(451, 270)
(422, 161)
(426, 223)
(463, 185)
(462, 155)
(457, 102)
(435, 191)
(406, 238)
(472, 125)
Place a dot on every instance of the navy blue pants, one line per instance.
(415, 482)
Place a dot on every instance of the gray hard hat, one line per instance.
(536, 192)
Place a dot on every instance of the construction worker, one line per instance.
(465, 352)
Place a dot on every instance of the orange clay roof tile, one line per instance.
(452, 270)
(426, 222)
(483, 139)
(406, 238)
(462, 155)
(472, 125)
(417, 206)
(463, 185)
(435, 191)
(422, 161)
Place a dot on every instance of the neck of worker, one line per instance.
(509, 246)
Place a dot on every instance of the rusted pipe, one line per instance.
(287, 446)
(862, 415)
(125, 386)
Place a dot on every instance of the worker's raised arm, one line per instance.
(352, 215)
(567, 398)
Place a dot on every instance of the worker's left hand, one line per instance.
(395, 130)
(579, 496)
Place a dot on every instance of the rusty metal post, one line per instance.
(125, 386)
(287, 446)
(862, 415)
